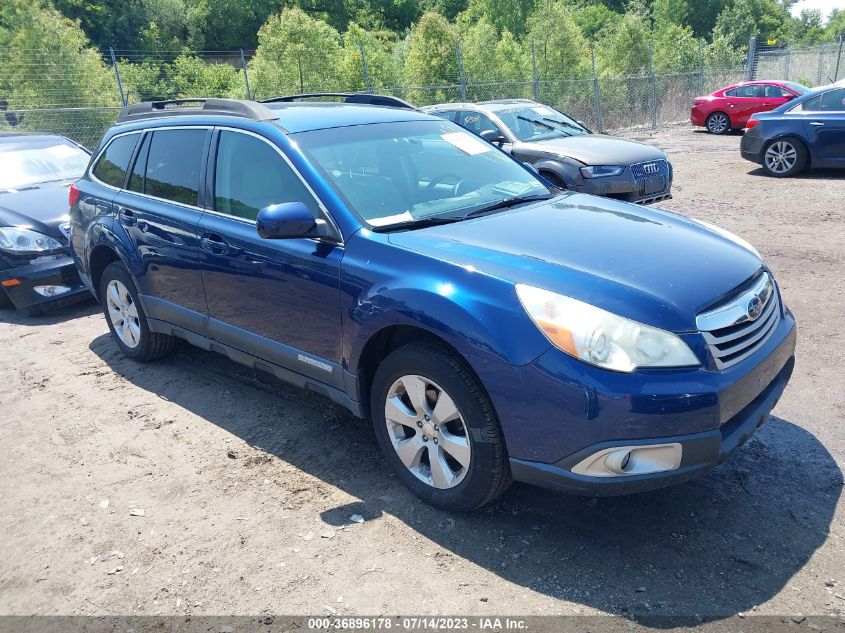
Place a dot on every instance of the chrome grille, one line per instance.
(737, 328)
(647, 170)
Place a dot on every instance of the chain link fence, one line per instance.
(81, 97)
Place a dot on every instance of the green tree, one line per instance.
(381, 63)
(809, 27)
(562, 52)
(116, 23)
(431, 57)
(190, 76)
(296, 53)
(835, 27)
(228, 24)
(624, 50)
(744, 19)
(504, 14)
(594, 19)
(70, 73)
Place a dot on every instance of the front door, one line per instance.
(275, 299)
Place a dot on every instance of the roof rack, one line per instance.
(174, 107)
(348, 97)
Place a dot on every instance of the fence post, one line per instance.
(599, 123)
(652, 88)
(246, 76)
(786, 63)
(460, 57)
(535, 81)
(701, 84)
(752, 54)
(117, 76)
(838, 58)
(821, 64)
(367, 83)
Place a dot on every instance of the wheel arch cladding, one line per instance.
(101, 256)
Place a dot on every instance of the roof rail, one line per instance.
(349, 97)
(174, 107)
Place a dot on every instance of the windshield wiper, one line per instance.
(434, 220)
(506, 203)
(551, 128)
(565, 124)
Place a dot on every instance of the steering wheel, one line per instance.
(446, 177)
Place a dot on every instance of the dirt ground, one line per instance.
(194, 486)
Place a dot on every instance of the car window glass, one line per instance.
(749, 91)
(449, 115)
(730, 93)
(812, 105)
(771, 91)
(250, 175)
(173, 165)
(834, 101)
(477, 122)
(136, 178)
(112, 165)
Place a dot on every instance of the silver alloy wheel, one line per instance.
(123, 314)
(718, 123)
(427, 431)
(781, 156)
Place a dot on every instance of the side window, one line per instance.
(476, 122)
(174, 160)
(749, 91)
(812, 105)
(730, 93)
(449, 115)
(249, 174)
(834, 101)
(113, 163)
(775, 92)
(136, 178)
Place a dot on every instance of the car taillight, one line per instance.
(751, 123)
(73, 195)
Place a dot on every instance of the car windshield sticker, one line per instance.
(544, 111)
(466, 143)
(61, 151)
(405, 216)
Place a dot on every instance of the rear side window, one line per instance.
(834, 101)
(812, 105)
(173, 165)
(449, 115)
(136, 178)
(754, 90)
(477, 122)
(775, 92)
(250, 175)
(112, 165)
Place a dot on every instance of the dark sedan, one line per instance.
(564, 151)
(36, 172)
(806, 132)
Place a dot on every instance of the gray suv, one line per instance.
(565, 151)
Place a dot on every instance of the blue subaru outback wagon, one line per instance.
(493, 328)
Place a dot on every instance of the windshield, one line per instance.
(397, 173)
(31, 162)
(539, 123)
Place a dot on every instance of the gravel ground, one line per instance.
(194, 486)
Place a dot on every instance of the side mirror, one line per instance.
(492, 136)
(285, 221)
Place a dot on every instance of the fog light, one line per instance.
(51, 291)
(623, 461)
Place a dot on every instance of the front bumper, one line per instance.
(628, 188)
(559, 411)
(20, 282)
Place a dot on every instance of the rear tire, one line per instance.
(784, 157)
(126, 319)
(718, 123)
(422, 393)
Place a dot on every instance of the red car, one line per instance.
(729, 108)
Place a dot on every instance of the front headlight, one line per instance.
(602, 338)
(600, 171)
(20, 240)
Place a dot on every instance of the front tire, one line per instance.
(126, 319)
(784, 157)
(718, 123)
(437, 428)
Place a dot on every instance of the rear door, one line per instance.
(160, 209)
(275, 299)
(824, 125)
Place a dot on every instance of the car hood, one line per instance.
(653, 266)
(593, 149)
(42, 208)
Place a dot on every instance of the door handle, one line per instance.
(127, 216)
(816, 123)
(214, 244)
